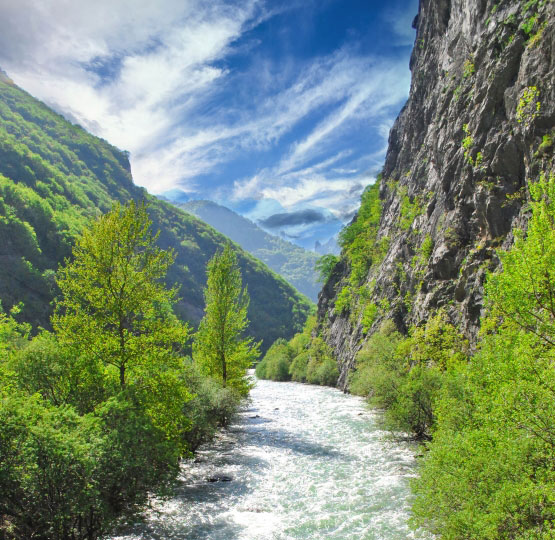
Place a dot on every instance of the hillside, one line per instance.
(55, 177)
(477, 129)
(292, 262)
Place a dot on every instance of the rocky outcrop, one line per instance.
(477, 128)
(4, 77)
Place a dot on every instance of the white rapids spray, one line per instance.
(302, 462)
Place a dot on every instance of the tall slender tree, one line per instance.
(220, 347)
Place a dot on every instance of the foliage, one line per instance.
(211, 406)
(424, 252)
(303, 359)
(361, 247)
(60, 374)
(359, 239)
(489, 472)
(325, 266)
(403, 375)
(322, 366)
(12, 333)
(411, 208)
(546, 144)
(68, 476)
(529, 105)
(276, 362)
(468, 68)
(369, 314)
(468, 143)
(220, 349)
(116, 310)
(343, 299)
(114, 305)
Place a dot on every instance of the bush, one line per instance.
(212, 406)
(377, 367)
(403, 376)
(299, 366)
(321, 368)
(276, 362)
(47, 461)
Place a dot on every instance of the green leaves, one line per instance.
(305, 358)
(524, 293)
(490, 469)
(114, 305)
(404, 376)
(325, 265)
(219, 347)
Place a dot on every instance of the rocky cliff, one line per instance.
(477, 128)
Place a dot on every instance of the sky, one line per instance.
(279, 110)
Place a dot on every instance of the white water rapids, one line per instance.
(305, 462)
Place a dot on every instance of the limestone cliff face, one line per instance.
(477, 128)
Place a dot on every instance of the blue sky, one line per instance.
(278, 110)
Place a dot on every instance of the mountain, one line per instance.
(174, 195)
(55, 177)
(294, 263)
(478, 128)
(328, 247)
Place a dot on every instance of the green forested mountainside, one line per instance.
(292, 262)
(55, 177)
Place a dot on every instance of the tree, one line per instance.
(219, 347)
(116, 312)
(490, 469)
(524, 293)
(115, 307)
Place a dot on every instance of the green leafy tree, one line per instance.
(116, 312)
(12, 333)
(220, 348)
(325, 265)
(490, 469)
(115, 307)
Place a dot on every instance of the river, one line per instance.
(300, 462)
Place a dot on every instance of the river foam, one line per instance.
(305, 462)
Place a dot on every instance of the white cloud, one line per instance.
(165, 50)
(160, 97)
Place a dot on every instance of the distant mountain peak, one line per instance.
(175, 195)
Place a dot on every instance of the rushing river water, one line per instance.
(301, 462)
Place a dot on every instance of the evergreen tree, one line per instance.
(220, 348)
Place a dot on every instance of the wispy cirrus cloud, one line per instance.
(163, 52)
(210, 96)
